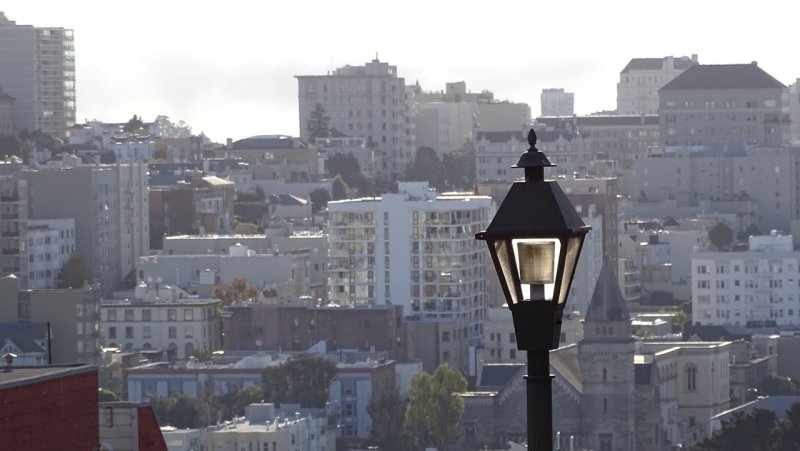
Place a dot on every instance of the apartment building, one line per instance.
(39, 72)
(756, 287)
(416, 249)
(181, 326)
(8, 117)
(51, 242)
(640, 80)
(14, 226)
(724, 106)
(557, 102)
(369, 101)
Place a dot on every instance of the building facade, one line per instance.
(753, 287)
(640, 80)
(181, 326)
(50, 245)
(39, 72)
(556, 102)
(367, 101)
(415, 249)
(724, 106)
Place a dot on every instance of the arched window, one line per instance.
(691, 377)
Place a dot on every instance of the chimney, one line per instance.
(694, 58)
(9, 359)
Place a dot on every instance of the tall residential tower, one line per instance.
(37, 69)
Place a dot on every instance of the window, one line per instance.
(172, 315)
(129, 332)
(188, 332)
(445, 336)
(128, 315)
(112, 315)
(188, 314)
(512, 337)
(112, 332)
(146, 332)
(173, 332)
(691, 377)
(146, 315)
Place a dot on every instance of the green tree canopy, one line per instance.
(238, 290)
(459, 168)
(720, 235)
(133, 124)
(302, 379)
(434, 412)
(246, 228)
(74, 273)
(339, 188)
(180, 410)
(232, 404)
(319, 199)
(426, 167)
(346, 166)
(106, 395)
(318, 123)
(387, 433)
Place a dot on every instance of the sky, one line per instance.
(227, 68)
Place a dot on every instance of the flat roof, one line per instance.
(26, 375)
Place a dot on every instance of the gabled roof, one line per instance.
(498, 375)
(723, 76)
(566, 363)
(24, 335)
(656, 63)
(607, 302)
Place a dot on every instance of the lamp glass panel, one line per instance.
(537, 259)
(507, 266)
(570, 262)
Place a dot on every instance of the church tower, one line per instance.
(606, 357)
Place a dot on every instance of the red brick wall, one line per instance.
(55, 414)
(150, 437)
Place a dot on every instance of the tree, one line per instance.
(434, 412)
(459, 167)
(384, 408)
(233, 403)
(426, 167)
(678, 320)
(246, 228)
(318, 124)
(339, 188)
(720, 235)
(745, 432)
(319, 199)
(180, 410)
(302, 379)
(74, 273)
(346, 165)
(133, 124)
(238, 290)
(106, 395)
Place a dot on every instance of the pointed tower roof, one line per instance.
(607, 302)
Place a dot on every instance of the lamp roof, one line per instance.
(535, 208)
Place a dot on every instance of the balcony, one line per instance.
(10, 251)
(9, 216)
(9, 233)
(9, 197)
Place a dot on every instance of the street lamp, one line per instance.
(535, 240)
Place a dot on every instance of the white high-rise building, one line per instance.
(50, 244)
(556, 102)
(37, 68)
(368, 101)
(756, 287)
(416, 249)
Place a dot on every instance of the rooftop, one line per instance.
(25, 375)
(656, 63)
(724, 76)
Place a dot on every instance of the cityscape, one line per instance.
(322, 284)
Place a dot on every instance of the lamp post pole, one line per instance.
(535, 240)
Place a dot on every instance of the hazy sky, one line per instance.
(227, 67)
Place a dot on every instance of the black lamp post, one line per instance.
(535, 239)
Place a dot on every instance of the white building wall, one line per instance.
(50, 244)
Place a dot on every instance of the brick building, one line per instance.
(49, 407)
(296, 327)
